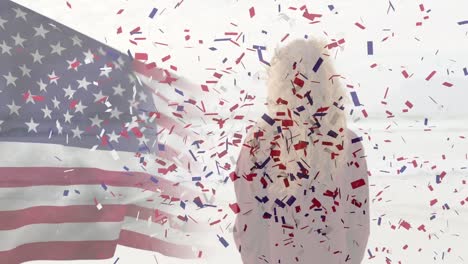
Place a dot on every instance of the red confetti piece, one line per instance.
(166, 58)
(405, 74)
(405, 225)
(430, 75)
(359, 25)
(409, 104)
(69, 5)
(252, 12)
(204, 88)
(141, 56)
(235, 208)
(447, 84)
(120, 11)
(364, 112)
(310, 16)
(358, 183)
(299, 82)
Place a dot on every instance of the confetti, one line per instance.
(252, 12)
(223, 241)
(447, 84)
(358, 183)
(370, 48)
(430, 75)
(153, 13)
(317, 65)
(268, 119)
(355, 99)
(359, 25)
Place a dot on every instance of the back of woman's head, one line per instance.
(307, 99)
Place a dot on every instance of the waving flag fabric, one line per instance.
(77, 149)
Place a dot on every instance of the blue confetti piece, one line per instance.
(265, 199)
(104, 186)
(317, 65)
(438, 179)
(224, 60)
(370, 48)
(465, 71)
(142, 159)
(212, 48)
(65, 193)
(268, 119)
(182, 204)
(223, 241)
(161, 147)
(198, 202)
(403, 169)
(260, 54)
(355, 99)
(379, 221)
(193, 156)
(309, 98)
(433, 217)
(153, 179)
(179, 91)
(153, 12)
(279, 8)
(446, 205)
(77, 192)
(280, 203)
(332, 134)
(180, 108)
(425, 121)
(369, 252)
(355, 140)
(126, 168)
(115, 262)
(264, 163)
(209, 174)
(291, 200)
(259, 199)
(264, 32)
(331, 7)
(278, 128)
(223, 39)
(300, 108)
(196, 178)
(463, 22)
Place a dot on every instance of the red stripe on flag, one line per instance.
(60, 214)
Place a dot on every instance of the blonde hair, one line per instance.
(316, 111)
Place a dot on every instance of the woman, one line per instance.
(301, 177)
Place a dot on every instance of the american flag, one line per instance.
(80, 163)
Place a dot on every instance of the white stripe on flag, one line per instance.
(162, 232)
